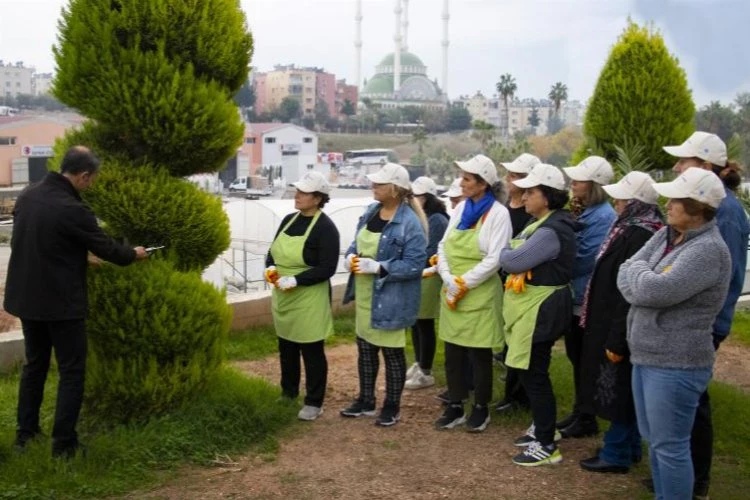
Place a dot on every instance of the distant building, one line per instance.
(42, 83)
(308, 85)
(345, 93)
(15, 79)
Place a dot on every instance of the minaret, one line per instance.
(397, 52)
(358, 44)
(446, 18)
(405, 27)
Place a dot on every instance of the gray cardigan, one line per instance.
(675, 298)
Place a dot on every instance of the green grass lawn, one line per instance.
(741, 327)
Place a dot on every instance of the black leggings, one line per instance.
(423, 339)
(479, 359)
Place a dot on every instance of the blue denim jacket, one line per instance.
(733, 225)
(402, 254)
(594, 225)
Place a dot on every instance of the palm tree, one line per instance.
(506, 87)
(557, 94)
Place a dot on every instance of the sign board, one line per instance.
(290, 148)
(36, 151)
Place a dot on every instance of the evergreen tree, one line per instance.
(642, 96)
(156, 79)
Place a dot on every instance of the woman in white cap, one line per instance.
(708, 151)
(386, 259)
(419, 375)
(471, 312)
(676, 285)
(515, 395)
(538, 304)
(455, 194)
(595, 216)
(302, 258)
(605, 362)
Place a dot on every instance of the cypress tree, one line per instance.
(155, 78)
(641, 97)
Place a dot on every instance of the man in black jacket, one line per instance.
(53, 232)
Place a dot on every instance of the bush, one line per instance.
(156, 78)
(153, 343)
(642, 97)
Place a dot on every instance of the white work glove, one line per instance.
(271, 275)
(365, 265)
(429, 272)
(455, 286)
(349, 260)
(286, 283)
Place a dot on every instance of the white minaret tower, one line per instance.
(445, 43)
(358, 44)
(405, 27)
(397, 52)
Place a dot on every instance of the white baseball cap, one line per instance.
(454, 191)
(523, 164)
(313, 182)
(423, 185)
(391, 173)
(543, 174)
(707, 147)
(635, 185)
(593, 168)
(482, 166)
(694, 183)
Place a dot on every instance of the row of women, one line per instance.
(649, 302)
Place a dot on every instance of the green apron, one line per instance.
(302, 314)
(429, 306)
(477, 320)
(367, 246)
(520, 310)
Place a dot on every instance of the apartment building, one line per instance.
(308, 85)
(345, 93)
(15, 79)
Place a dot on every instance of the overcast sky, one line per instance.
(538, 41)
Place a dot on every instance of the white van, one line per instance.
(240, 184)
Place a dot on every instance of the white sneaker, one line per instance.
(419, 381)
(309, 413)
(413, 369)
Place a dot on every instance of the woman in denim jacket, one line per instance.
(386, 259)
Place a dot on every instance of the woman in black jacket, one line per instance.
(605, 363)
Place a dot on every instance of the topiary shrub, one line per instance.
(156, 80)
(642, 97)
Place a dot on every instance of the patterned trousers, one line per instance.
(368, 364)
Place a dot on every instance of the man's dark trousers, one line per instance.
(68, 339)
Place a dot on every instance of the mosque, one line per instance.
(400, 78)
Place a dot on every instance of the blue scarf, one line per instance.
(473, 211)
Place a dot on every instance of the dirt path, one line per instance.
(351, 458)
(733, 364)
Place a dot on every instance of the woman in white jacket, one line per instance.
(471, 321)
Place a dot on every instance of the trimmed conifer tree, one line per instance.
(641, 97)
(155, 78)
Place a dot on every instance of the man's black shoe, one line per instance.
(596, 464)
(567, 421)
(582, 427)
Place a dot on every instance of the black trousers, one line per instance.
(368, 364)
(702, 439)
(458, 359)
(539, 388)
(68, 339)
(423, 340)
(574, 350)
(316, 370)
(514, 390)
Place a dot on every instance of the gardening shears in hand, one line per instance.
(517, 282)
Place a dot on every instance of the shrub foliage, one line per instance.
(155, 79)
(642, 97)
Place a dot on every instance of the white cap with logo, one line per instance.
(593, 168)
(313, 182)
(635, 185)
(545, 175)
(482, 166)
(454, 191)
(697, 184)
(423, 185)
(523, 164)
(707, 147)
(391, 173)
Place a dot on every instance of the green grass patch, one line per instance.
(233, 414)
(741, 327)
(259, 342)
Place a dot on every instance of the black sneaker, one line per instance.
(389, 416)
(453, 416)
(567, 421)
(535, 454)
(581, 427)
(444, 397)
(530, 437)
(358, 408)
(479, 418)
